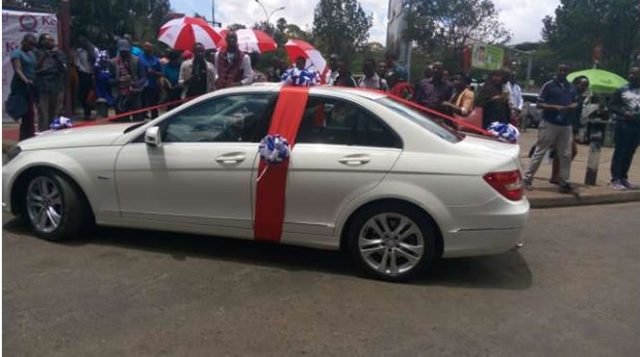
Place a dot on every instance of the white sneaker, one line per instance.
(629, 185)
(617, 185)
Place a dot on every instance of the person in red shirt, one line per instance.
(399, 85)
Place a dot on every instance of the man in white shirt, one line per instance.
(515, 95)
(371, 80)
(331, 73)
(85, 58)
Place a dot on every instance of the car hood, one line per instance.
(95, 135)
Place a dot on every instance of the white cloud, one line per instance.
(522, 17)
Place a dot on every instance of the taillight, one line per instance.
(508, 183)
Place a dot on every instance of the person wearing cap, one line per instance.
(129, 79)
(233, 66)
(197, 75)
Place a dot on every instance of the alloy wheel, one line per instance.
(391, 243)
(44, 204)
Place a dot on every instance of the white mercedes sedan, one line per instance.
(367, 174)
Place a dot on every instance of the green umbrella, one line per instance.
(600, 81)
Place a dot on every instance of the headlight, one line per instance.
(13, 152)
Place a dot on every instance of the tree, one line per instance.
(234, 27)
(581, 29)
(445, 27)
(341, 26)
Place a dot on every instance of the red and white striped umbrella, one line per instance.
(183, 33)
(251, 41)
(298, 48)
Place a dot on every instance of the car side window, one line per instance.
(233, 118)
(339, 122)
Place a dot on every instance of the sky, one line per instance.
(523, 18)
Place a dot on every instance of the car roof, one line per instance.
(272, 87)
(321, 89)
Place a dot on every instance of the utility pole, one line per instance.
(213, 11)
(64, 40)
(529, 55)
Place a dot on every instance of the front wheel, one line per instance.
(392, 242)
(54, 208)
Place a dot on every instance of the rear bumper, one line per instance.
(493, 228)
(482, 242)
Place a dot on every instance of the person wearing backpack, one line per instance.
(371, 79)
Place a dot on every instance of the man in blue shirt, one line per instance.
(558, 101)
(151, 93)
(171, 74)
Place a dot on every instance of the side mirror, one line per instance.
(152, 137)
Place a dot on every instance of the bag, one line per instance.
(474, 118)
(16, 106)
(91, 97)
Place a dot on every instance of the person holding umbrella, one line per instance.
(233, 65)
(197, 75)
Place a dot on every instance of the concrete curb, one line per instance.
(578, 200)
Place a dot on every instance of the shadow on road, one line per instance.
(507, 271)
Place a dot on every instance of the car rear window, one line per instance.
(421, 119)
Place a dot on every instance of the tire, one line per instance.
(54, 208)
(399, 238)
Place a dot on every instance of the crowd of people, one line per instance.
(129, 77)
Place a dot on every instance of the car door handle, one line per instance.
(233, 158)
(355, 160)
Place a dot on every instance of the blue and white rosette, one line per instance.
(273, 149)
(59, 123)
(504, 132)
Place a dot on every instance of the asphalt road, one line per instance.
(574, 289)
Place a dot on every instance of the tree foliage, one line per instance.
(579, 26)
(454, 23)
(444, 27)
(341, 26)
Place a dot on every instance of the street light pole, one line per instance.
(273, 12)
(268, 15)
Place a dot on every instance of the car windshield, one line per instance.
(421, 119)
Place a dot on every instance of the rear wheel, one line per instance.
(392, 242)
(54, 208)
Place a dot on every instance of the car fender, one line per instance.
(89, 170)
(402, 191)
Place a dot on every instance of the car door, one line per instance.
(342, 151)
(201, 174)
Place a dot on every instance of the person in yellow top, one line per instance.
(462, 101)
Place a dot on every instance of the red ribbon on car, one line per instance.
(271, 188)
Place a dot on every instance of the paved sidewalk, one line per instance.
(544, 194)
